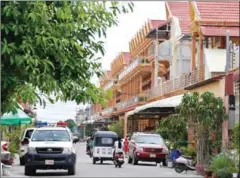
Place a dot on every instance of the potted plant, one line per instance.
(224, 173)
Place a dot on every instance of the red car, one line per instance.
(148, 148)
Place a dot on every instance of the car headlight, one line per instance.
(67, 151)
(31, 150)
(140, 149)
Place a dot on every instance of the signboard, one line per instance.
(62, 124)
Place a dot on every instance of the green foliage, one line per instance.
(205, 114)
(189, 151)
(173, 128)
(117, 127)
(236, 136)
(222, 164)
(89, 129)
(71, 124)
(53, 48)
(224, 173)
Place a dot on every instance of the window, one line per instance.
(104, 141)
(51, 135)
(150, 139)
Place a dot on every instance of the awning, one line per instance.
(164, 103)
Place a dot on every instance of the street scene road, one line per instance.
(85, 168)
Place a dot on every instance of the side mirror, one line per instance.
(26, 140)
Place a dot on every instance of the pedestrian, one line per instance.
(126, 143)
(118, 147)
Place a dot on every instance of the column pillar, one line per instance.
(140, 84)
(201, 62)
(125, 125)
(193, 61)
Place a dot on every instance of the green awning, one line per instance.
(15, 119)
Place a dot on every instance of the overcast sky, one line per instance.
(117, 40)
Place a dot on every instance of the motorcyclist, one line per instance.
(118, 147)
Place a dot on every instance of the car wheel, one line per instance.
(22, 161)
(129, 160)
(72, 170)
(28, 171)
(94, 160)
(164, 163)
(134, 160)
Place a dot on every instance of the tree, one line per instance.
(117, 127)
(50, 48)
(173, 128)
(71, 124)
(205, 114)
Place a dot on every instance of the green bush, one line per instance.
(224, 173)
(117, 127)
(236, 136)
(222, 164)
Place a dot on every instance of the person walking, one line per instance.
(126, 143)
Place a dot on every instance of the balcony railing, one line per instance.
(236, 88)
(131, 67)
(109, 85)
(164, 50)
(95, 115)
(176, 83)
(107, 111)
(132, 101)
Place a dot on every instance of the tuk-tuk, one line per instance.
(103, 143)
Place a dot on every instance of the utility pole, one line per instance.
(156, 60)
(228, 43)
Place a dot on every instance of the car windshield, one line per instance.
(150, 139)
(51, 135)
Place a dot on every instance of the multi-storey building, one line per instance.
(169, 57)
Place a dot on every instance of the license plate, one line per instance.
(49, 162)
(120, 159)
(152, 156)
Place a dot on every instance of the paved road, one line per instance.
(85, 168)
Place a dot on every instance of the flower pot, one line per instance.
(207, 174)
(200, 170)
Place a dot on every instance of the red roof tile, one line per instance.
(219, 31)
(157, 23)
(224, 11)
(182, 11)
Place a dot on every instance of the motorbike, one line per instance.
(184, 163)
(89, 153)
(118, 160)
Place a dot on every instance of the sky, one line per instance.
(118, 38)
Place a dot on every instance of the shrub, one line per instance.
(222, 163)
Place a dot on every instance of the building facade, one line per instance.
(168, 58)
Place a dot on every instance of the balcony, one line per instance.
(164, 51)
(131, 102)
(139, 62)
(107, 111)
(179, 82)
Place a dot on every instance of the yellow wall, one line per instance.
(217, 87)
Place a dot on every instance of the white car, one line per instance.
(50, 148)
(24, 144)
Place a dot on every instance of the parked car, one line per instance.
(147, 147)
(24, 144)
(50, 148)
(5, 154)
